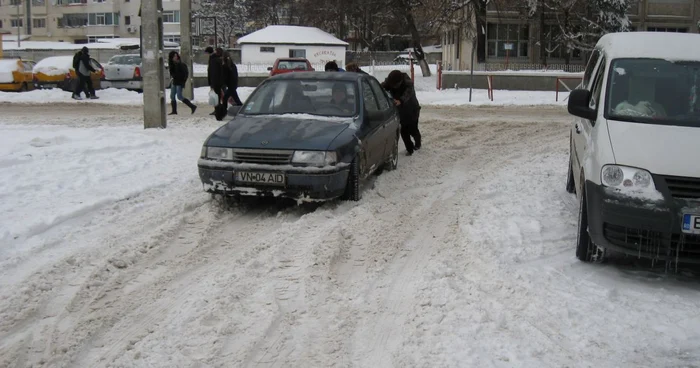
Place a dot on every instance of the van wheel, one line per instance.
(570, 183)
(352, 188)
(584, 245)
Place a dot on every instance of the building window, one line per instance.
(510, 39)
(103, 19)
(14, 23)
(39, 23)
(127, 20)
(73, 21)
(171, 16)
(15, 2)
(70, 2)
(0, 23)
(171, 38)
(667, 29)
(295, 53)
(38, 2)
(93, 39)
(267, 49)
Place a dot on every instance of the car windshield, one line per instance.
(315, 97)
(125, 60)
(655, 91)
(292, 65)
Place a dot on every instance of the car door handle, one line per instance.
(578, 129)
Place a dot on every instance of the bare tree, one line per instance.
(230, 18)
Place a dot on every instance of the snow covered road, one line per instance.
(112, 256)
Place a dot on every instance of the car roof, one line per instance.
(292, 59)
(336, 76)
(656, 45)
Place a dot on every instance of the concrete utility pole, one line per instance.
(153, 64)
(186, 45)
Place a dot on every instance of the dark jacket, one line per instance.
(84, 58)
(406, 93)
(215, 73)
(230, 74)
(179, 73)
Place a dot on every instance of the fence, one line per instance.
(498, 67)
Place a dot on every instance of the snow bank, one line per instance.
(6, 69)
(55, 65)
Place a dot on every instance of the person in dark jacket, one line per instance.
(231, 80)
(401, 88)
(179, 74)
(332, 66)
(83, 70)
(215, 73)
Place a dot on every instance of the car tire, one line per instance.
(352, 188)
(393, 159)
(570, 183)
(586, 250)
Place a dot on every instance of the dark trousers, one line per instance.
(232, 92)
(84, 84)
(409, 129)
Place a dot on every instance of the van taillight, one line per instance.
(137, 72)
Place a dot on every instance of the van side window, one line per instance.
(597, 86)
(590, 67)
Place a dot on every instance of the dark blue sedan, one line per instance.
(308, 136)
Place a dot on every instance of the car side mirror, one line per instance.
(579, 104)
(269, 68)
(234, 110)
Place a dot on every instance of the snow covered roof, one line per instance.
(291, 35)
(659, 45)
(54, 65)
(8, 65)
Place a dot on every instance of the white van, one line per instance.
(635, 148)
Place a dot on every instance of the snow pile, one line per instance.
(55, 65)
(452, 97)
(7, 67)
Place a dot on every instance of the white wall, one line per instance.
(250, 54)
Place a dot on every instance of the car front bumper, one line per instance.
(300, 183)
(642, 228)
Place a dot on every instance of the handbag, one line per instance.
(213, 98)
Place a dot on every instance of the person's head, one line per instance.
(219, 51)
(352, 67)
(209, 50)
(174, 57)
(339, 93)
(395, 79)
(85, 50)
(331, 66)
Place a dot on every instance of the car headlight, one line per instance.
(204, 152)
(219, 153)
(623, 177)
(316, 158)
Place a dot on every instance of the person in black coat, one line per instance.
(215, 73)
(83, 71)
(401, 88)
(231, 80)
(179, 74)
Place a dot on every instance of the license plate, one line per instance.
(260, 178)
(691, 224)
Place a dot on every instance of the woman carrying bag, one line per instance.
(179, 74)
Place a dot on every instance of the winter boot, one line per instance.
(189, 103)
(173, 104)
(76, 97)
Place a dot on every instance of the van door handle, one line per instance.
(578, 129)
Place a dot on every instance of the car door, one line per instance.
(372, 127)
(390, 120)
(583, 128)
(97, 75)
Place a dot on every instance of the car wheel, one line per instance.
(393, 160)
(352, 188)
(586, 250)
(570, 183)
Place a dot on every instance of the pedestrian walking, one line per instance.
(178, 74)
(210, 51)
(231, 80)
(402, 90)
(83, 70)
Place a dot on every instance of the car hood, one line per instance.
(661, 149)
(293, 132)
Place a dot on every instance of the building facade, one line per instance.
(510, 39)
(82, 21)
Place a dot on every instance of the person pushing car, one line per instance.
(401, 88)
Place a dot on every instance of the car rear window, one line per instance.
(292, 65)
(125, 60)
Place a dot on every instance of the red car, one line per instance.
(288, 65)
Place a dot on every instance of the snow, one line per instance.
(112, 255)
(294, 35)
(659, 45)
(7, 67)
(54, 65)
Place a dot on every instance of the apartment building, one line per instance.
(512, 38)
(82, 21)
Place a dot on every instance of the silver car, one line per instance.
(124, 71)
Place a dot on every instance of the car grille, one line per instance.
(683, 187)
(670, 245)
(264, 157)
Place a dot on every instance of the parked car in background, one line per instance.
(124, 71)
(16, 75)
(405, 59)
(288, 65)
(307, 136)
(634, 145)
(57, 72)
